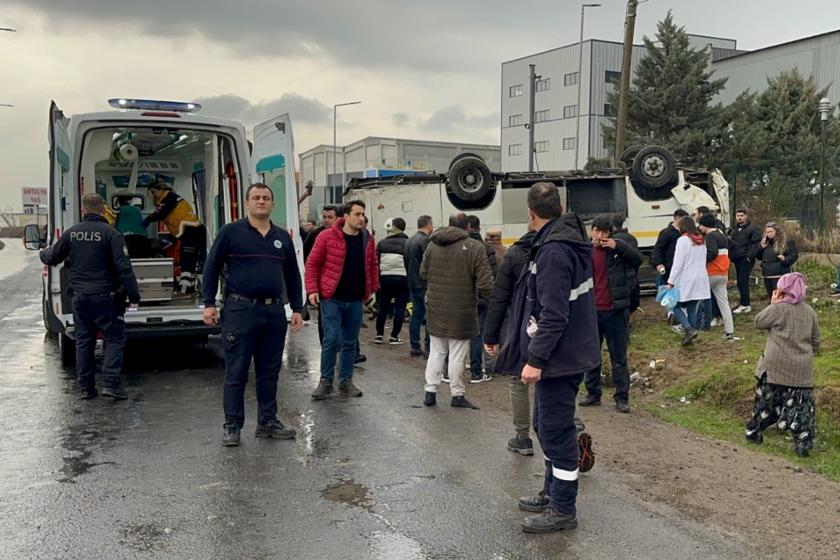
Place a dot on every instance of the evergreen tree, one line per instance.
(671, 96)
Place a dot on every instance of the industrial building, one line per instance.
(556, 94)
(378, 155)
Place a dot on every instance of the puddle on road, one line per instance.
(388, 545)
(349, 493)
(80, 446)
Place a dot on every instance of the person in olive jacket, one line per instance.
(457, 273)
(777, 255)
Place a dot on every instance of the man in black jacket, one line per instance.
(477, 374)
(663, 251)
(615, 258)
(414, 249)
(745, 239)
(100, 274)
(329, 215)
(509, 271)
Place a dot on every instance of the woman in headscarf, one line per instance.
(777, 254)
(688, 275)
(785, 372)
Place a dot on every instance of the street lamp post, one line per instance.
(825, 109)
(580, 77)
(335, 144)
(8, 29)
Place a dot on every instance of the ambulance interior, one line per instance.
(121, 163)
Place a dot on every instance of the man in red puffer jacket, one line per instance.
(341, 273)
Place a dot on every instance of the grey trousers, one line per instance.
(521, 406)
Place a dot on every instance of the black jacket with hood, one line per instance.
(553, 325)
(623, 264)
(745, 241)
(509, 271)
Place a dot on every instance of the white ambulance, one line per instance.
(207, 161)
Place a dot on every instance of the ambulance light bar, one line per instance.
(155, 105)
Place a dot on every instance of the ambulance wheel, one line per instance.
(469, 178)
(67, 350)
(654, 167)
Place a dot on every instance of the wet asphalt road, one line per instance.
(378, 477)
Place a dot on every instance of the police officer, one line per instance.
(259, 259)
(100, 275)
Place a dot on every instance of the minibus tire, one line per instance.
(470, 179)
(66, 350)
(629, 154)
(654, 167)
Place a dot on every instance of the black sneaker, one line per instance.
(523, 446)
(116, 394)
(360, 359)
(590, 400)
(622, 406)
(729, 337)
(324, 390)
(802, 449)
(754, 436)
(462, 402)
(417, 353)
(87, 394)
(480, 378)
(689, 336)
(395, 341)
(347, 389)
(230, 435)
(430, 399)
(549, 521)
(275, 429)
(536, 504)
(379, 339)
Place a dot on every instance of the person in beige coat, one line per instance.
(785, 371)
(457, 273)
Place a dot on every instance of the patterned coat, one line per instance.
(792, 341)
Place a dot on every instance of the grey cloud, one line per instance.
(455, 118)
(372, 33)
(301, 109)
(400, 119)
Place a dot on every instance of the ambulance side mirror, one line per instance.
(32, 238)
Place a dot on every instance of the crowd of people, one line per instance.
(538, 312)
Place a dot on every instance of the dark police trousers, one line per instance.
(252, 330)
(93, 313)
(615, 327)
(554, 424)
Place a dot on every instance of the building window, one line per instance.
(541, 116)
(612, 77)
(569, 143)
(516, 91)
(541, 147)
(515, 120)
(544, 84)
(569, 111)
(570, 79)
(609, 110)
(515, 150)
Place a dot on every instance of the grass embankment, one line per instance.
(708, 387)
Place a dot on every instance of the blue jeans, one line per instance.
(341, 321)
(477, 344)
(418, 319)
(689, 320)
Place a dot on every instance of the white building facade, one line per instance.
(555, 105)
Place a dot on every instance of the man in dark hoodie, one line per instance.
(555, 294)
(744, 242)
(509, 271)
(414, 249)
(457, 273)
(477, 374)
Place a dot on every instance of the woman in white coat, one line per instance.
(688, 275)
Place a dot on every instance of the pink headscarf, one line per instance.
(793, 286)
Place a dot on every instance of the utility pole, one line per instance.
(624, 91)
(532, 80)
(825, 109)
(580, 78)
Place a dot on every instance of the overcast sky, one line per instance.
(427, 70)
